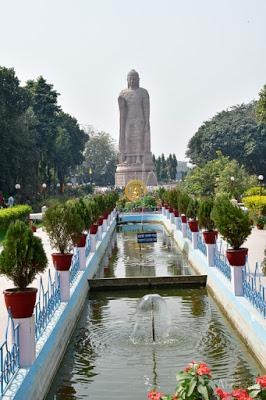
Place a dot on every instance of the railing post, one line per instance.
(172, 218)
(195, 240)
(105, 225)
(184, 229)
(93, 242)
(210, 254)
(82, 258)
(163, 210)
(64, 277)
(27, 343)
(100, 233)
(237, 280)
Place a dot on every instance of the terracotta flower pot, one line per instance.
(80, 241)
(193, 225)
(20, 302)
(170, 210)
(94, 229)
(33, 228)
(184, 219)
(260, 226)
(237, 257)
(100, 221)
(176, 213)
(62, 262)
(210, 237)
(105, 215)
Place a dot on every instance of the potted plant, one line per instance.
(94, 216)
(260, 221)
(205, 221)
(60, 224)
(183, 200)
(235, 226)
(192, 211)
(22, 258)
(78, 210)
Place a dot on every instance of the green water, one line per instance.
(109, 356)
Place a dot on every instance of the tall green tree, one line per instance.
(236, 134)
(164, 171)
(100, 159)
(43, 101)
(220, 175)
(17, 138)
(261, 106)
(69, 146)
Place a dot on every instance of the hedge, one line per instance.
(8, 215)
(256, 204)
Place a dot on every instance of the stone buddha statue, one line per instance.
(134, 106)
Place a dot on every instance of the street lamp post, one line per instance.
(90, 173)
(260, 179)
(18, 187)
(44, 186)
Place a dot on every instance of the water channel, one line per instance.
(112, 354)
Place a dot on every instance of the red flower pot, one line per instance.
(61, 261)
(193, 225)
(210, 237)
(105, 215)
(94, 229)
(166, 206)
(237, 257)
(100, 221)
(80, 241)
(176, 213)
(184, 219)
(170, 210)
(33, 228)
(20, 302)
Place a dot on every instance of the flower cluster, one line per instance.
(194, 383)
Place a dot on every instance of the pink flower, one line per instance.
(241, 394)
(222, 394)
(154, 395)
(203, 369)
(261, 380)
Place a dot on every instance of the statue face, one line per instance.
(133, 81)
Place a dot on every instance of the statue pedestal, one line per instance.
(127, 172)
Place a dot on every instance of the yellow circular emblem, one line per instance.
(135, 189)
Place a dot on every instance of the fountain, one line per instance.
(152, 319)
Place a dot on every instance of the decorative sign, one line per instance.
(135, 189)
(147, 237)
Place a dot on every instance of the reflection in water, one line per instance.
(103, 360)
(162, 258)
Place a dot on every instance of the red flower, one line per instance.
(154, 395)
(203, 369)
(241, 394)
(261, 380)
(222, 394)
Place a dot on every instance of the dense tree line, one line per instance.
(237, 133)
(165, 167)
(39, 142)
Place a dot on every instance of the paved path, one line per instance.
(256, 244)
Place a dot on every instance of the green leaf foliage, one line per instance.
(233, 223)
(236, 133)
(23, 256)
(8, 215)
(204, 214)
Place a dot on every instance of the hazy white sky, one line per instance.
(195, 57)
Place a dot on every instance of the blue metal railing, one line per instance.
(253, 288)
(47, 303)
(189, 233)
(220, 261)
(201, 245)
(179, 224)
(9, 356)
(74, 269)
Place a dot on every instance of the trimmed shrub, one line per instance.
(23, 256)
(204, 214)
(232, 222)
(8, 215)
(256, 204)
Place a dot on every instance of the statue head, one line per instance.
(133, 79)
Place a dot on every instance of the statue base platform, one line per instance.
(127, 172)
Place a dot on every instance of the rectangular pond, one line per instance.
(113, 353)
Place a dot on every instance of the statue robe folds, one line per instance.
(134, 141)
